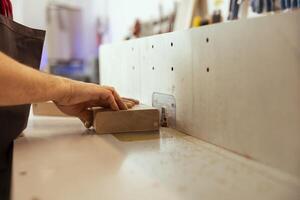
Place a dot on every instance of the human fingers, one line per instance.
(132, 100)
(108, 98)
(86, 117)
(129, 104)
(117, 97)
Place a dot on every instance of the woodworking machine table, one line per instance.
(58, 159)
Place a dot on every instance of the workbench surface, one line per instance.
(58, 159)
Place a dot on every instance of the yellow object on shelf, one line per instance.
(197, 21)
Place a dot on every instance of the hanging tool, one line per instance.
(234, 9)
(217, 16)
(257, 6)
(283, 4)
(288, 3)
(295, 3)
(230, 10)
(270, 5)
(260, 6)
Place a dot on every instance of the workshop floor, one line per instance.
(58, 159)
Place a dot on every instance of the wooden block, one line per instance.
(139, 118)
(47, 109)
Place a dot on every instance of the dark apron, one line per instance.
(24, 45)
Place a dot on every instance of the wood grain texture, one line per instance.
(47, 109)
(140, 118)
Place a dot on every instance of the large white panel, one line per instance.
(237, 85)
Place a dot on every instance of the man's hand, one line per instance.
(81, 97)
(20, 84)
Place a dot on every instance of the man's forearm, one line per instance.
(20, 84)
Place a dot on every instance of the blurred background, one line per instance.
(76, 28)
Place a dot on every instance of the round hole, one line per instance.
(152, 46)
(23, 173)
(133, 67)
(207, 40)
(172, 44)
(153, 68)
(207, 69)
(132, 49)
(172, 68)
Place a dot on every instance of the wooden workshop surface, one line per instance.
(58, 159)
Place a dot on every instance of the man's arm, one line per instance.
(20, 84)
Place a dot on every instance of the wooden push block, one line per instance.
(47, 109)
(139, 118)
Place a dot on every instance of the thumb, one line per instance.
(87, 118)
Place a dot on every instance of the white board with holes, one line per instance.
(237, 84)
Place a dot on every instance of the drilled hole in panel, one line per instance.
(207, 69)
(207, 40)
(153, 68)
(172, 44)
(172, 68)
(133, 67)
(152, 46)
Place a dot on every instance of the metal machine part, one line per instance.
(167, 108)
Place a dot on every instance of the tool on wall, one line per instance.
(217, 16)
(283, 4)
(289, 4)
(295, 3)
(270, 5)
(234, 8)
(199, 21)
(259, 6)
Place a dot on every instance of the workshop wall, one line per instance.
(116, 15)
(121, 14)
